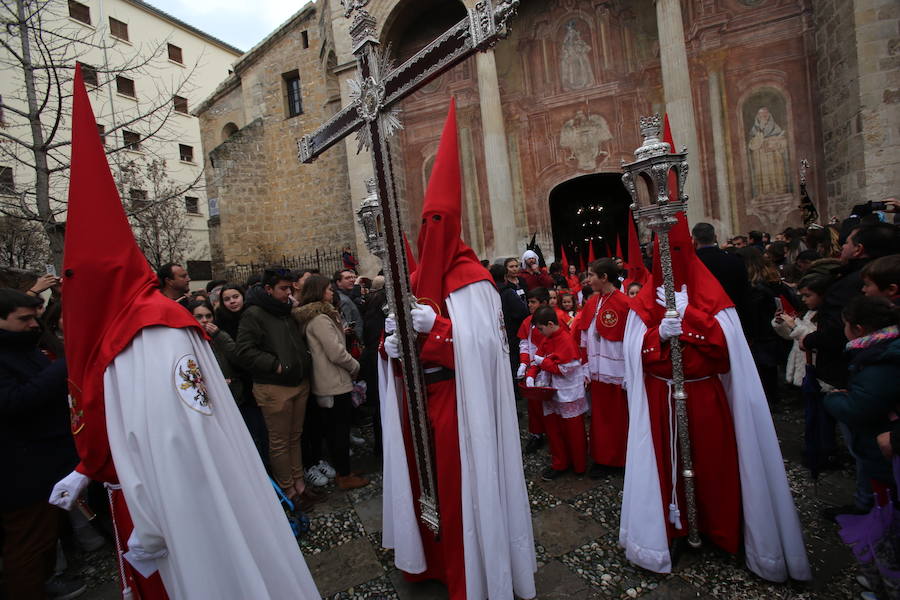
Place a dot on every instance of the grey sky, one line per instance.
(240, 23)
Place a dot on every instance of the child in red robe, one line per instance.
(529, 339)
(599, 330)
(557, 364)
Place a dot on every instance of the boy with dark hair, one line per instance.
(881, 277)
(529, 339)
(558, 365)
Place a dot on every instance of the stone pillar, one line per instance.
(679, 103)
(499, 177)
(717, 114)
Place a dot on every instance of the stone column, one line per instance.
(723, 184)
(499, 177)
(679, 103)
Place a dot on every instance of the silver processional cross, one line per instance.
(374, 116)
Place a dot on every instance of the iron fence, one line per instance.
(325, 261)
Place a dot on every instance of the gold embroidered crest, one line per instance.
(191, 386)
(609, 318)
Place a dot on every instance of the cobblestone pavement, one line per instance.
(576, 528)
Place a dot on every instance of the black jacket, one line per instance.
(268, 337)
(35, 432)
(828, 339)
(731, 272)
(514, 312)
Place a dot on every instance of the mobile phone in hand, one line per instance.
(779, 306)
(51, 269)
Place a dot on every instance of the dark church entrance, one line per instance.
(591, 209)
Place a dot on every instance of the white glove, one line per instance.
(392, 345)
(68, 489)
(143, 561)
(538, 359)
(390, 324)
(669, 328)
(681, 299)
(529, 382)
(423, 317)
(521, 372)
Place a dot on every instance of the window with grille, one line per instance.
(101, 129)
(293, 99)
(132, 140)
(125, 86)
(180, 104)
(89, 74)
(118, 29)
(138, 199)
(80, 12)
(7, 184)
(175, 54)
(186, 152)
(192, 205)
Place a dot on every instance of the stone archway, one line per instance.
(589, 208)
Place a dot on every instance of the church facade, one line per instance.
(547, 116)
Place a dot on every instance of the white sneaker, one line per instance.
(325, 469)
(315, 477)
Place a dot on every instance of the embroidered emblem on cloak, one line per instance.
(76, 413)
(609, 318)
(190, 385)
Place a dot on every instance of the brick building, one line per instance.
(546, 117)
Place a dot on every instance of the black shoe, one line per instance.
(832, 512)
(534, 443)
(60, 587)
(598, 471)
(549, 474)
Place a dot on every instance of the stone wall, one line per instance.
(858, 48)
(269, 203)
(878, 57)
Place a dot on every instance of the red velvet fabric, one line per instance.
(711, 428)
(609, 423)
(567, 441)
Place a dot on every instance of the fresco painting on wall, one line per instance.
(583, 137)
(766, 122)
(575, 63)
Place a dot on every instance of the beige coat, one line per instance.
(333, 367)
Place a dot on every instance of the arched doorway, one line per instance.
(589, 209)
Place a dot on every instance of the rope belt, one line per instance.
(120, 547)
(674, 511)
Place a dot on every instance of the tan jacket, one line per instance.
(333, 369)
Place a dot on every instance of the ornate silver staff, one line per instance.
(654, 161)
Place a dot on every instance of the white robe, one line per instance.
(497, 536)
(192, 478)
(773, 540)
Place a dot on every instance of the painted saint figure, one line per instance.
(768, 146)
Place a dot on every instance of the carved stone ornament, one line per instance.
(351, 5)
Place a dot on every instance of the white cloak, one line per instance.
(192, 478)
(773, 540)
(497, 535)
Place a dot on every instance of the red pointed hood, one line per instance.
(564, 261)
(110, 292)
(591, 256)
(637, 272)
(704, 291)
(445, 262)
(410, 257)
(619, 248)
